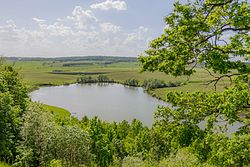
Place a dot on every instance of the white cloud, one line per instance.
(58, 29)
(39, 21)
(55, 29)
(80, 33)
(82, 18)
(110, 4)
(138, 35)
(9, 31)
(109, 27)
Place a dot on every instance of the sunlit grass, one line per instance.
(57, 110)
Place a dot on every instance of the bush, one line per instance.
(86, 79)
(173, 84)
(89, 79)
(55, 163)
(132, 161)
(131, 82)
(153, 84)
(70, 144)
(137, 161)
(234, 151)
(157, 83)
(102, 78)
(183, 158)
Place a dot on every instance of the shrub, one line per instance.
(102, 78)
(137, 161)
(153, 83)
(70, 144)
(234, 151)
(131, 82)
(173, 84)
(86, 79)
(183, 158)
(55, 163)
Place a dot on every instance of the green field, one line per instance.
(40, 73)
(57, 111)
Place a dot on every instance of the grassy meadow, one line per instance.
(61, 112)
(36, 73)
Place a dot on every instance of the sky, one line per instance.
(57, 28)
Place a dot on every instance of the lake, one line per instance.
(110, 102)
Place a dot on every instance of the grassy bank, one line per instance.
(57, 110)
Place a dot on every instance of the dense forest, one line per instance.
(30, 135)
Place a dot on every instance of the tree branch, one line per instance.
(217, 79)
(229, 51)
(220, 4)
(235, 29)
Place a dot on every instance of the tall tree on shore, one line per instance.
(209, 32)
(13, 103)
(216, 35)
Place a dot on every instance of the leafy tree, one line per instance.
(2, 60)
(131, 82)
(86, 79)
(229, 151)
(143, 142)
(122, 129)
(102, 147)
(153, 83)
(10, 82)
(72, 146)
(133, 141)
(197, 33)
(55, 163)
(9, 126)
(209, 33)
(38, 133)
(136, 127)
(13, 100)
(103, 78)
(50, 144)
(133, 161)
(183, 158)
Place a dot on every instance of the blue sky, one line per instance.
(52, 28)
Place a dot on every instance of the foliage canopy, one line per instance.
(211, 34)
(207, 31)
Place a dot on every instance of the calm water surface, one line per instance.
(110, 102)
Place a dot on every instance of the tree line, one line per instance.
(147, 84)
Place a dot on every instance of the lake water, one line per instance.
(110, 102)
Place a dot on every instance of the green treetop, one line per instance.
(207, 31)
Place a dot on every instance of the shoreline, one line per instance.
(38, 86)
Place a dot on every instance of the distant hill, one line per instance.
(83, 58)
